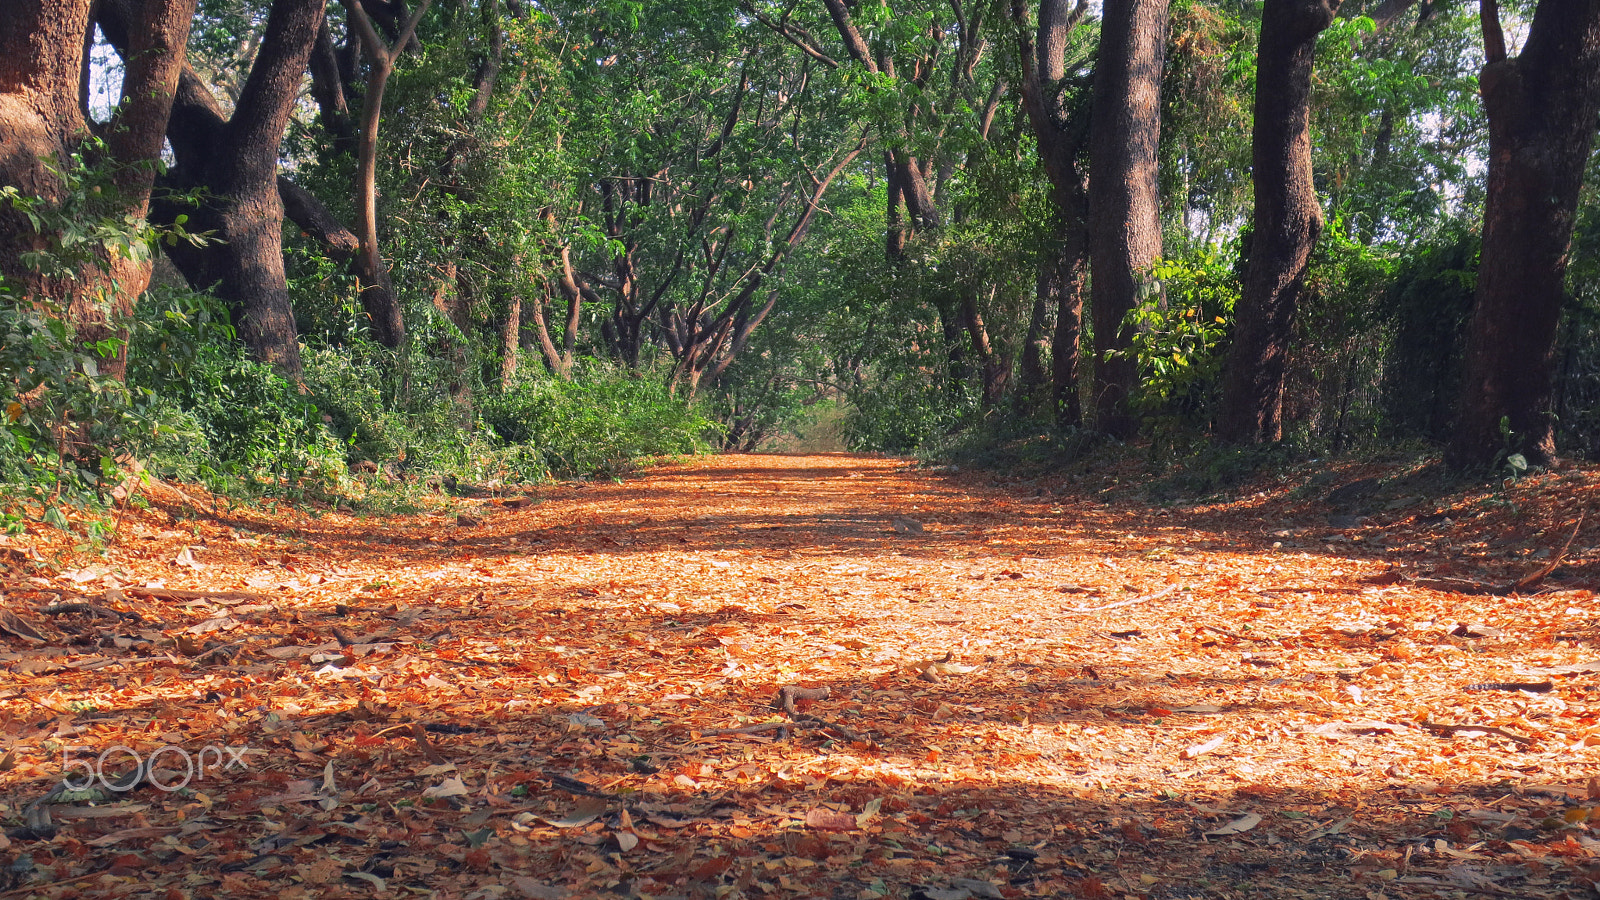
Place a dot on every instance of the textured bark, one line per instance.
(1124, 206)
(328, 89)
(235, 162)
(1062, 132)
(305, 210)
(1286, 223)
(1068, 277)
(994, 367)
(40, 122)
(1541, 106)
(42, 52)
(510, 341)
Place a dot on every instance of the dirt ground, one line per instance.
(1094, 686)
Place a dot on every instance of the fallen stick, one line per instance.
(1453, 730)
(94, 609)
(785, 701)
(1538, 575)
(421, 737)
(179, 594)
(37, 890)
(1142, 598)
(750, 729)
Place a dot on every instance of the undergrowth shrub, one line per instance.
(902, 412)
(1178, 343)
(603, 422)
(261, 431)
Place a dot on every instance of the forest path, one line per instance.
(1044, 689)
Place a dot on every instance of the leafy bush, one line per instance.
(59, 416)
(603, 422)
(258, 427)
(1428, 305)
(904, 411)
(1178, 331)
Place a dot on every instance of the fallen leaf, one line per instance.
(1237, 826)
(450, 787)
(1202, 749)
(829, 820)
(587, 810)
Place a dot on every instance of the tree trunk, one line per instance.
(1062, 133)
(42, 53)
(1287, 221)
(1033, 379)
(1541, 106)
(40, 123)
(377, 288)
(1070, 271)
(235, 162)
(1124, 204)
(994, 366)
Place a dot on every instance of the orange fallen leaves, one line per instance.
(1224, 664)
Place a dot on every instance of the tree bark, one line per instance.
(234, 161)
(42, 52)
(510, 341)
(1286, 223)
(994, 366)
(1062, 132)
(1124, 203)
(1541, 106)
(377, 288)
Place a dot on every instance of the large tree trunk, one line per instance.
(1061, 132)
(1287, 220)
(42, 48)
(1541, 106)
(234, 161)
(1124, 202)
(41, 124)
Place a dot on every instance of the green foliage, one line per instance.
(1427, 305)
(62, 421)
(1336, 365)
(263, 434)
(59, 416)
(903, 411)
(604, 422)
(1178, 333)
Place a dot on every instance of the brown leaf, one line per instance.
(829, 820)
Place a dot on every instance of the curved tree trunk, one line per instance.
(1541, 106)
(377, 288)
(1124, 201)
(1287, 220)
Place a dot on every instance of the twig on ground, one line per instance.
(93, 609)
(1142, 598)
(421, 737)
(38, 890)
(1453, 730)
(1538, 575)
(785, 701)
(178, 594)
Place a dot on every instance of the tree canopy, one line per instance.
(440, 235)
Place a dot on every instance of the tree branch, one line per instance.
(1494, 37)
